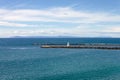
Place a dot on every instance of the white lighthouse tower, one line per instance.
(68, 44)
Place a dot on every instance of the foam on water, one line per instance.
(18, 48)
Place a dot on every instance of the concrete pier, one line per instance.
(84, 46)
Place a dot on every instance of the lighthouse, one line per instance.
(68, 44)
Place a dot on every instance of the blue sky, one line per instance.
(81, 18)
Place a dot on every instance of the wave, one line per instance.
(18, 48)
(21, 48)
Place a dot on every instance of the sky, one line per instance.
(79, 18)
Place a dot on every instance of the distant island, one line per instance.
(44, 37)
(54, 37)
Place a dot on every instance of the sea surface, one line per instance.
(20, 60)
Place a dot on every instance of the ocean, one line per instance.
(20, 60)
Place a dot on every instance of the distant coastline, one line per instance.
(55, 37)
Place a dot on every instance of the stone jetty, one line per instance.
(83, 46)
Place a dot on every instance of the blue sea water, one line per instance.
(20, 60)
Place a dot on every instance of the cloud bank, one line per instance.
(65, 15)
(57, 15)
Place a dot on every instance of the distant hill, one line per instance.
(43, 37)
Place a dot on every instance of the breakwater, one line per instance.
(83, 46)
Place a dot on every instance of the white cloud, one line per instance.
(74, 31)
(57, 15)
(113, 29)
(15, 18)
(11, 24)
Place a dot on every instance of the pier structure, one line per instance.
(83, 46)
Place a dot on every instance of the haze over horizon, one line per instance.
(80, 18)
